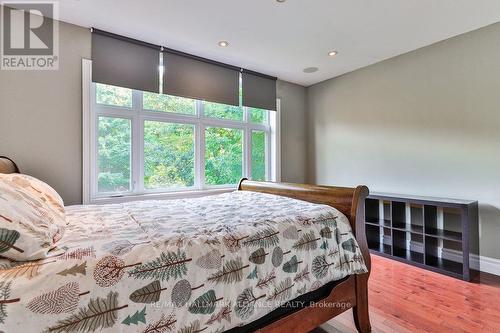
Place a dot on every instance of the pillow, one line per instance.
(42, 190)
(32, 217)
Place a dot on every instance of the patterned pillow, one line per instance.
(32, 217)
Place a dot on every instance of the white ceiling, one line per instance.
(282, 39)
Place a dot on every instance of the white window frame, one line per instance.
(136, 114)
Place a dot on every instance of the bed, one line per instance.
(269, 257)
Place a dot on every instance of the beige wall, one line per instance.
(40, 117)
(41, 112)
(427, 122)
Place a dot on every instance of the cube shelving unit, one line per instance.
(438, 234)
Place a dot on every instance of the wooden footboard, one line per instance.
(352, 293)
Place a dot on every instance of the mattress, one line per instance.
(208, 264)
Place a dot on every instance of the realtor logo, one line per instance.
(30, 35)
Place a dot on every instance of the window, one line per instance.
(168, 155)
(259, 153)
(113, 96)
(222, 111)
(113, 151)
(223, 155)
(165, 103)
(146, 143)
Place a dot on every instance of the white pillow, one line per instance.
(32, 217)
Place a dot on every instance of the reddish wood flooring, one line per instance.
(405, 299)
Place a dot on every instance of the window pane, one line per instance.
(258, 155)
(111, 95)
(258, 116)
(223, 155)
(168, 155)
(167, 103)
(223, 111)
(114, 146)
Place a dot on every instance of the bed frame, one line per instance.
(351, 293)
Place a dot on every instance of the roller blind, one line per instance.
(187, 76)
(125, 63)
(259, 91)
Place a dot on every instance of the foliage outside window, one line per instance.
(114, 154)
(165, 103)
(223, 155)
(259, 155)
(147, 142)
(258, 116)
(223, 111)
(168, 155)
(113, 96)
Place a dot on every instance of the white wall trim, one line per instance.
(162, 196)
(86, 78)
(275, 122)
(480, 263)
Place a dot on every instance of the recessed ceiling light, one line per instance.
(280, 1)
(223, 43)
(310, 70)
(332, 53)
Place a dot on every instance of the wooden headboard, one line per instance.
(341, 198)
(7, 165)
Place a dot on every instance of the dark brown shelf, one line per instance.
(444, 234)
(415, 234)
(379, 222)
(408, 255)
(415, 228)
(444, 265)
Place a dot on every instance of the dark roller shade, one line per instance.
(124, 63)
(198, 79)
(259, 91)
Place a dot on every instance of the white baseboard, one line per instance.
(480, 263)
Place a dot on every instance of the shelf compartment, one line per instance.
(417, 213)
(417, 243)
(381, 248)
(430, 217)
(401, 248)
(417, 237)
(407, 254)
(434, 249)
(373, 235)
(398, 213)
(372, 211)
(444, 234)
(444, 224)
(399, 239)
(444, 265)
(386, 210)
(417, 218)
(452, 220)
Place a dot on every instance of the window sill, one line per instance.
(161, 196)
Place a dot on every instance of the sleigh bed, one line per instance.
(270, 257)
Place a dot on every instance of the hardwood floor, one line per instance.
(406, 299)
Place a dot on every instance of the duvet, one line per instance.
(207, 264)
